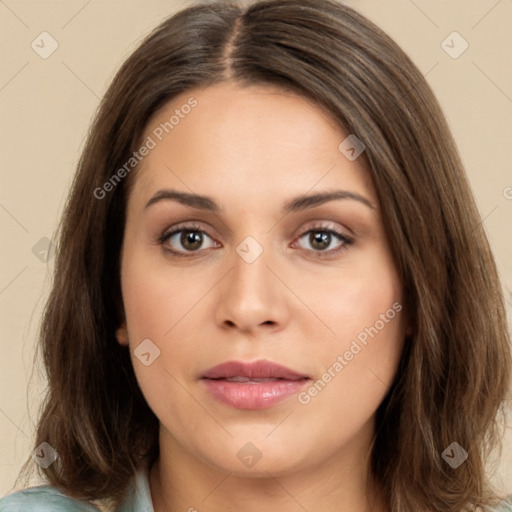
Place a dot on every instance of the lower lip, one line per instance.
(259, 395)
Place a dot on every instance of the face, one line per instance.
(255, 272)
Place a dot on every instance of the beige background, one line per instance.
(47, 105)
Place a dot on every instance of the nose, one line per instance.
(251, 297)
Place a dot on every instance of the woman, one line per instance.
(273, 290)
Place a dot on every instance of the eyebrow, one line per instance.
(294, 205)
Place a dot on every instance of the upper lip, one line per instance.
(257, 369)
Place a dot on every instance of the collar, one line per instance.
(138, 495)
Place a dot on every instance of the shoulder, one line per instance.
(47, 498)
(505, 506)
(43, 499)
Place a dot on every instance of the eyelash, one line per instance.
(321, 228)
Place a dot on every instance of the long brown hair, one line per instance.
(454, 373)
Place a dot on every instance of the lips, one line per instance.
(255, 385)
(252, 371)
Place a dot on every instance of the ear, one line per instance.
(122, 334)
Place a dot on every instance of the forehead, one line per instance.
(246, 140)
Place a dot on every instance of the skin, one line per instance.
(252, 149)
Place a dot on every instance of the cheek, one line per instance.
(354, 298)
(147, 310)
(357, 376)
(361, 352)
(159, 306)
(155, 298)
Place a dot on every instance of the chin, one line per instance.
(257, 459)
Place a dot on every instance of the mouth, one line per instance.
(256, 385)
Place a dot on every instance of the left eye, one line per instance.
(321, 239)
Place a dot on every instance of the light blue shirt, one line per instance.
(50, 499)
(137, 499)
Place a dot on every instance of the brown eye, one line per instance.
(324, 240)
(320, 239)
(191, 240)
(185, 240)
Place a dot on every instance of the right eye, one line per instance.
(190, 238)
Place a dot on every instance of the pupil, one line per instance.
(191, 239)
(321, 238)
